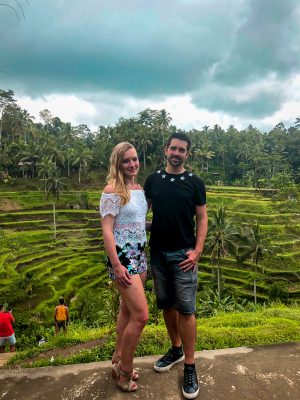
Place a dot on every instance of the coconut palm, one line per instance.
(162, 122)
(256, 246)
(143, 141)
(44, 168)
(54, 188)
(81, 158)
(205, 155)
(221, 240)
(26, 285)
(31, 154)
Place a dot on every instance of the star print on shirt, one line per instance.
(158, 172)
(163, 176)
(182, 178)
(190, 174)
(172, 179)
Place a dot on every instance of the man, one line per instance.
(176, 197)
(7, 333)
(61, 316)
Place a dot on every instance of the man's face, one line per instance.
(176, 153)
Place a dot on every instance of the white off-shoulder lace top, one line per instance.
(130, 218)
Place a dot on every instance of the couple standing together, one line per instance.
(178, 231)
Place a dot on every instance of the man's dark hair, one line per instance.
(61, 301)
(180, 135)
(1, 306)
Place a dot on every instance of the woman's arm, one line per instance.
(121, 273)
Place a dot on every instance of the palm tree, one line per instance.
(162, 122)
(257, 246)
(25, 120)
(27, 286)
(82, 157)
(205, 155)
(31, 153)
(221, 240)
(44, 168)
(68, 140)
(143, 141)
(54, 188)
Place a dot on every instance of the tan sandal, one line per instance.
(115, 360)
(129, 385)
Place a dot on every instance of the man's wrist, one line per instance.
(198, 251)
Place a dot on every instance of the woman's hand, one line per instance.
(122, 276)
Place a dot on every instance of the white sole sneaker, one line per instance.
(190, 395)
(164, 369)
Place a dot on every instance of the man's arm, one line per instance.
(12, 319)
(201, 228)
(67, 313)
(201, 231)
(55, 314)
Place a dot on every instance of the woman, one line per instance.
(123, 209)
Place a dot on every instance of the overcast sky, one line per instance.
(205, 61)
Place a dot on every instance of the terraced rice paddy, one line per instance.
(76, 259)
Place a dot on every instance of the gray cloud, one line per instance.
(212, 49)
(267, 41)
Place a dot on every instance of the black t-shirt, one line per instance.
(174, 198)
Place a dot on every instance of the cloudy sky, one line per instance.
(205, 61)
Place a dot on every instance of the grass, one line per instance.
(276, 324)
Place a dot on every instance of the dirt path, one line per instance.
(61, 352)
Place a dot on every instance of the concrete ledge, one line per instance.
(258, 373)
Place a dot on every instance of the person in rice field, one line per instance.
(61, 317)
(7, 333)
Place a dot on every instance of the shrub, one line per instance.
(278, 291)
(96, 307)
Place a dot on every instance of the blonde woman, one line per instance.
(123, 209)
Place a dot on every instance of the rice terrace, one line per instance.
(74, 260)
(37, 268)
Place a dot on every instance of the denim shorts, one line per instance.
(174, 288)
(132, 257)
(10, 339)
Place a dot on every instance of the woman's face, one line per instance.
(130, 164)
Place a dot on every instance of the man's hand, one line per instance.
(122, 276)
(191, 262)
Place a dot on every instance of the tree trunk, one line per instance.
(68, 166)
(54, 220)
(219, 280)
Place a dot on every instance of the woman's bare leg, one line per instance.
(122, 321)
(135, 300)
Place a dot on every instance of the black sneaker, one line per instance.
(168, 360)
(190, 388)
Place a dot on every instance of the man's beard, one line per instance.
(174, 161)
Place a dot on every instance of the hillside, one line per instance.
(74, 260)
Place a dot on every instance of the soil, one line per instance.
(9, 205)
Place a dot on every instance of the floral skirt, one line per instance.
(132, 257)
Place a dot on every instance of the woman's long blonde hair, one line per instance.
(115, 176)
